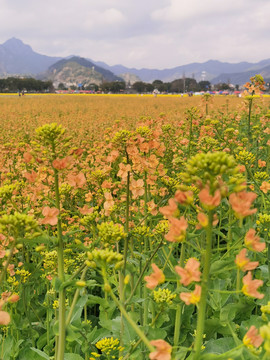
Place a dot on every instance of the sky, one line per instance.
(141, 33)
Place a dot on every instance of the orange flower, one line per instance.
(85, 210)
(170, 210)
(4, 318)
(156, 278)
(250, 286)
(109, 203)
(88, 196)
(61, 164)
(13, 298)
(50, 215)
(252, 241)
(208, 201)
(123, 171)
(152, 207)
(265, 187)
(241, 168)
(261, 163)
(27, 157)
(203, 220)
(190, 272)
(192, 298)
(241, 203)
(113, 156)
(177, 232)
(163, 351)
(243, 263)
(184, 197)
(31, 177)
(137, 188)
(77, 180)
(252, 338)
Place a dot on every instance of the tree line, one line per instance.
(13, 84)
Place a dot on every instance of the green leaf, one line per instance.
(41, 353)
(230, 311)
(70, 356)
(219, 346)
(78, 308)
(56, 283)
(220, 266)
(7, 346)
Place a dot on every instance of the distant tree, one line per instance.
(222, 86)
(12, 84)
(61, 86)
(204, 85)
(177, 86)
(158, 84)
(92, 87)
(118, 86)
(139, 86)
(190, 85)
(149, 87)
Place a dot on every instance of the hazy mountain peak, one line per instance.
(16, 46)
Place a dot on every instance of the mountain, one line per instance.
(200, 71)
(77, 70)
(243, 77)
(19, 58)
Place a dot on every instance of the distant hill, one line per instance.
(77, 70)
(200, 71)
(19, 58)
(242, 77)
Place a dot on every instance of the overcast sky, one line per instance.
(141, 33)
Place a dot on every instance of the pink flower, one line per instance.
(243, 263)
(77, 180)
(192, 298)
(171, 210)
(163, 351)
(4, 318)
(156, 278)
(31, 177)
(50, 215)
(252, 338)
(250, 286)
(190, 272)
(61, 164)
(241, 203)
(177, 232)
(137, 188)
(252, 241)
(184, 197)
(265, 187)
(208, 201)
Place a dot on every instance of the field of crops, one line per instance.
(135, 227)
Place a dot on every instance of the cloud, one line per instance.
(153, 33)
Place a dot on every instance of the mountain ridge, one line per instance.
(19, 58)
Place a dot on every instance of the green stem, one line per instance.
(249, 119)
(178, 314)
(61, 272)
(142, 272)
(126, 225)
(190, 134)
(3, 272)
(204, 290)
(75, 298)
(132, 323)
